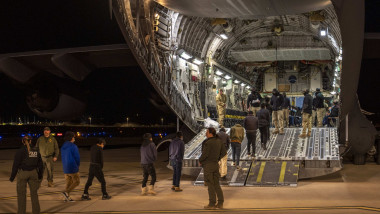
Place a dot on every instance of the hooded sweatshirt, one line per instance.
(70, 158)
(148, 152)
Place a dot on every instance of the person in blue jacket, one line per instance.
(70, 162)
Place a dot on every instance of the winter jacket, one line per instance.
(276, 102)
(148, 152)
(97, 155)
(307, 106)
(225, 138)
(251, 123)
(319, 100)
(263, 117)
(237, 133)
(254, 100)
(212, 151)
(286, 103)
(70, 158)
(176, 149)
(334, 111)
(48, 146)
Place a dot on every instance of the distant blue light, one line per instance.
(94, 134)
(110, 136)
(1, 137)
(22, 135)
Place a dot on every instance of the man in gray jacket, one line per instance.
(251, 124)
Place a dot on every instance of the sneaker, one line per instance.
(238, 168)
(210, 207)
(233, 164)
(178, 189)
(302, 135)
(50, 184)
(173, 187)
(85, 197)
(106, 197)
(69, 199)
(65, 196)
(249, 154)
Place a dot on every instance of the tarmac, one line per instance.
(355, 189)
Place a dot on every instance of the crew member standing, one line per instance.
(49, 150)
(223, 161)
(28, 167)
(221, 101)
(277, 115)
(96, 170)
(237, 137)
(263, 117)
(251, 125)
(320, 107)
(285, 109)
(176, 152)
(148, 154)
(212, 151)
(253, 101)
(306, 114)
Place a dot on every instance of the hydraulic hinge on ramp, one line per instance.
(273, 173)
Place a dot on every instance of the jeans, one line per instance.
(264, 134)
(177, 168)
(251, 137)
(148, 169)
(95, 171)
(236, 149)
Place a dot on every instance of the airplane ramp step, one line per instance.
(259, 173)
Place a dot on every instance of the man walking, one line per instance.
(27, 165)
(306, 114)
(221, 101)
(96, 170)
(253, 101)
(237, 137)
(49, 150)
(285, 109)
(176, 152)
(277, 115)
(223, 161)
(263, 118)
(148, 153)
(320, 107)
(212, 151)
(251, 125)
(70, 162)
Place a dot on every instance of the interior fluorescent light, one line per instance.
(323, 32)
(223, 81)
(227, 77)
(224, 36)
(219, 73)
(248, 87)
(243, 84)
(333, 92)
(197, 61)
(236, 81)
(185, 55)
(218, 78)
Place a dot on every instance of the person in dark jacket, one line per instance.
(277, 116)
(225, 138)
(148, 153)
(212, 151)
(253, 101)
(285, 109)
(320, 107)
(306, 114)
(71, 162)
(176, 152)
(96, 170)
(334, 114)
(251, 125)
(263, 117)
(28, 167)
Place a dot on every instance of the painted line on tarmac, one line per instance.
(364, 208)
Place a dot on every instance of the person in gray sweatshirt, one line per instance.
(148, 153)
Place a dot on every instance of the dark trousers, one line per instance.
(251, 137)
(95, 171)
(24, 178)
(264, 134)
(236, 149)
(177, 168)
(214, 190)
(148, 169)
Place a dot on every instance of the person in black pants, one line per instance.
(251, 125)
(263, 117)
(96, 170)
(176, 152)
(148, 153)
